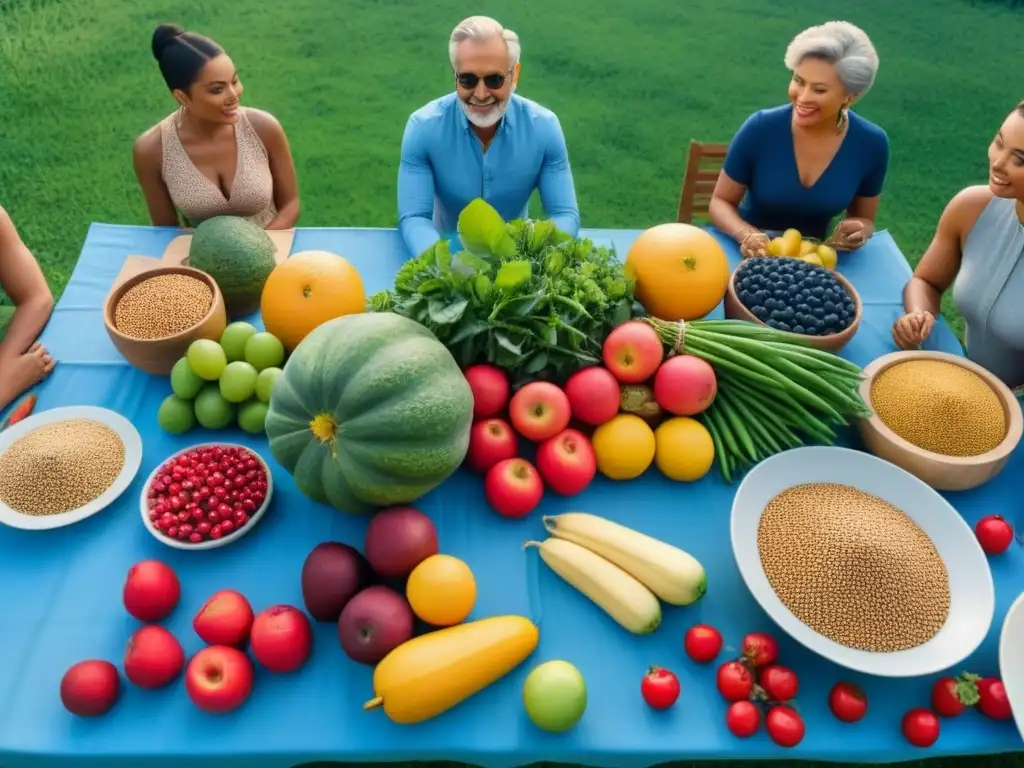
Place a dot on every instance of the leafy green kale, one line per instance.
(522, 295)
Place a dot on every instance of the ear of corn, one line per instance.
(618, 594)
(430, 674)
(669, 572)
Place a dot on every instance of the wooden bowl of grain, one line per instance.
(154, 316)
(833, 342)
(946, 420)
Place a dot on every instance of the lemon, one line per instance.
(828, 257)
(441, 590)
(685, 450)
(624, 447)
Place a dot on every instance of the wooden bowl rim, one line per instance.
(170, 269)
(843, 336)
(1014, 418)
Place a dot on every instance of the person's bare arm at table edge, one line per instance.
(416, 193)
(23, 362)
(938, 267)
(147, 157)
(556, 186)
(282, 168)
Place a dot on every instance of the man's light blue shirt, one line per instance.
(444, 167)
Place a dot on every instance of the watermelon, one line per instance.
(370, 411)
(238, 255)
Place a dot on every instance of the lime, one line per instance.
(212, 410)
(265, 383)
(252, 416)
(233, 340)
(207, 358)
(238, 381)
(175, 415)
(264, 350)
(185, 383)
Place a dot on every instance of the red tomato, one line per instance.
(702, 643)
(760, 649)
(920, 727)
(992, 700)
(785, 726)
(994, 534)
(952, 695)
(660, 688)
(847, 702)
(779, 683)
(743, 718)
(734, 681)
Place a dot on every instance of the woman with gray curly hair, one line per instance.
(802, 164)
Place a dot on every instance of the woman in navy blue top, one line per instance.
(802, 164)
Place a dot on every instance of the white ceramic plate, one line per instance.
(132, 459)
(1011, 660)
(972, 595)
(209, 543)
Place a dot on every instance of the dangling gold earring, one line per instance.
(841, 119)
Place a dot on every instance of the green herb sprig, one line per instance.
(522, 295)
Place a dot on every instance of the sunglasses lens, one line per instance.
(469, 81)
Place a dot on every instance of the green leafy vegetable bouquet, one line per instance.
(521, 295)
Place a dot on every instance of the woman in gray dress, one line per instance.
(977, 249)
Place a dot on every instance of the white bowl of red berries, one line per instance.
(206, 496)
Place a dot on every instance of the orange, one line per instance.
(441, 590)
(308, 289)
(681, 271)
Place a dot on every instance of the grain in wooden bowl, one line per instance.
(60, 467)
(153, 317)
(815, 304)
(853, 567)
(941, 417)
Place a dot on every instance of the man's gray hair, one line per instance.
(481, 28)
(842, 44)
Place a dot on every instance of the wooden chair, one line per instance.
(702, 169)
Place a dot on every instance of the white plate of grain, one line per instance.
(861, 562)
(1011, 659)
(60, 466)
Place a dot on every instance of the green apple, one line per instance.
(555, 696)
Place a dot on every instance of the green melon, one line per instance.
(370, 411)
(238, 255)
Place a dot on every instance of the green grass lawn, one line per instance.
(631, 82)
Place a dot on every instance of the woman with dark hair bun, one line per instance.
(211, 156)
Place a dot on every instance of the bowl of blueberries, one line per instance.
(794, 296)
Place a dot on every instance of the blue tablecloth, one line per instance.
(62, 593)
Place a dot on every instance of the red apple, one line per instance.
(632, 352)
(593, 395)
(219, 679)
(226, 619)
(513, 487)
(567, 462)
(490, 441)
(151, 591)
(490, 389)
(685, 385)
(374, 623)
(90, 688)
(397, 540)
(282, 638)
(153, 658)
(539, 410)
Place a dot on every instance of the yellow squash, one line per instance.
(430, 674)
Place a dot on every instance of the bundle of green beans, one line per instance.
(775, 391)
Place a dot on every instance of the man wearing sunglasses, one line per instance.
(483, 140)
